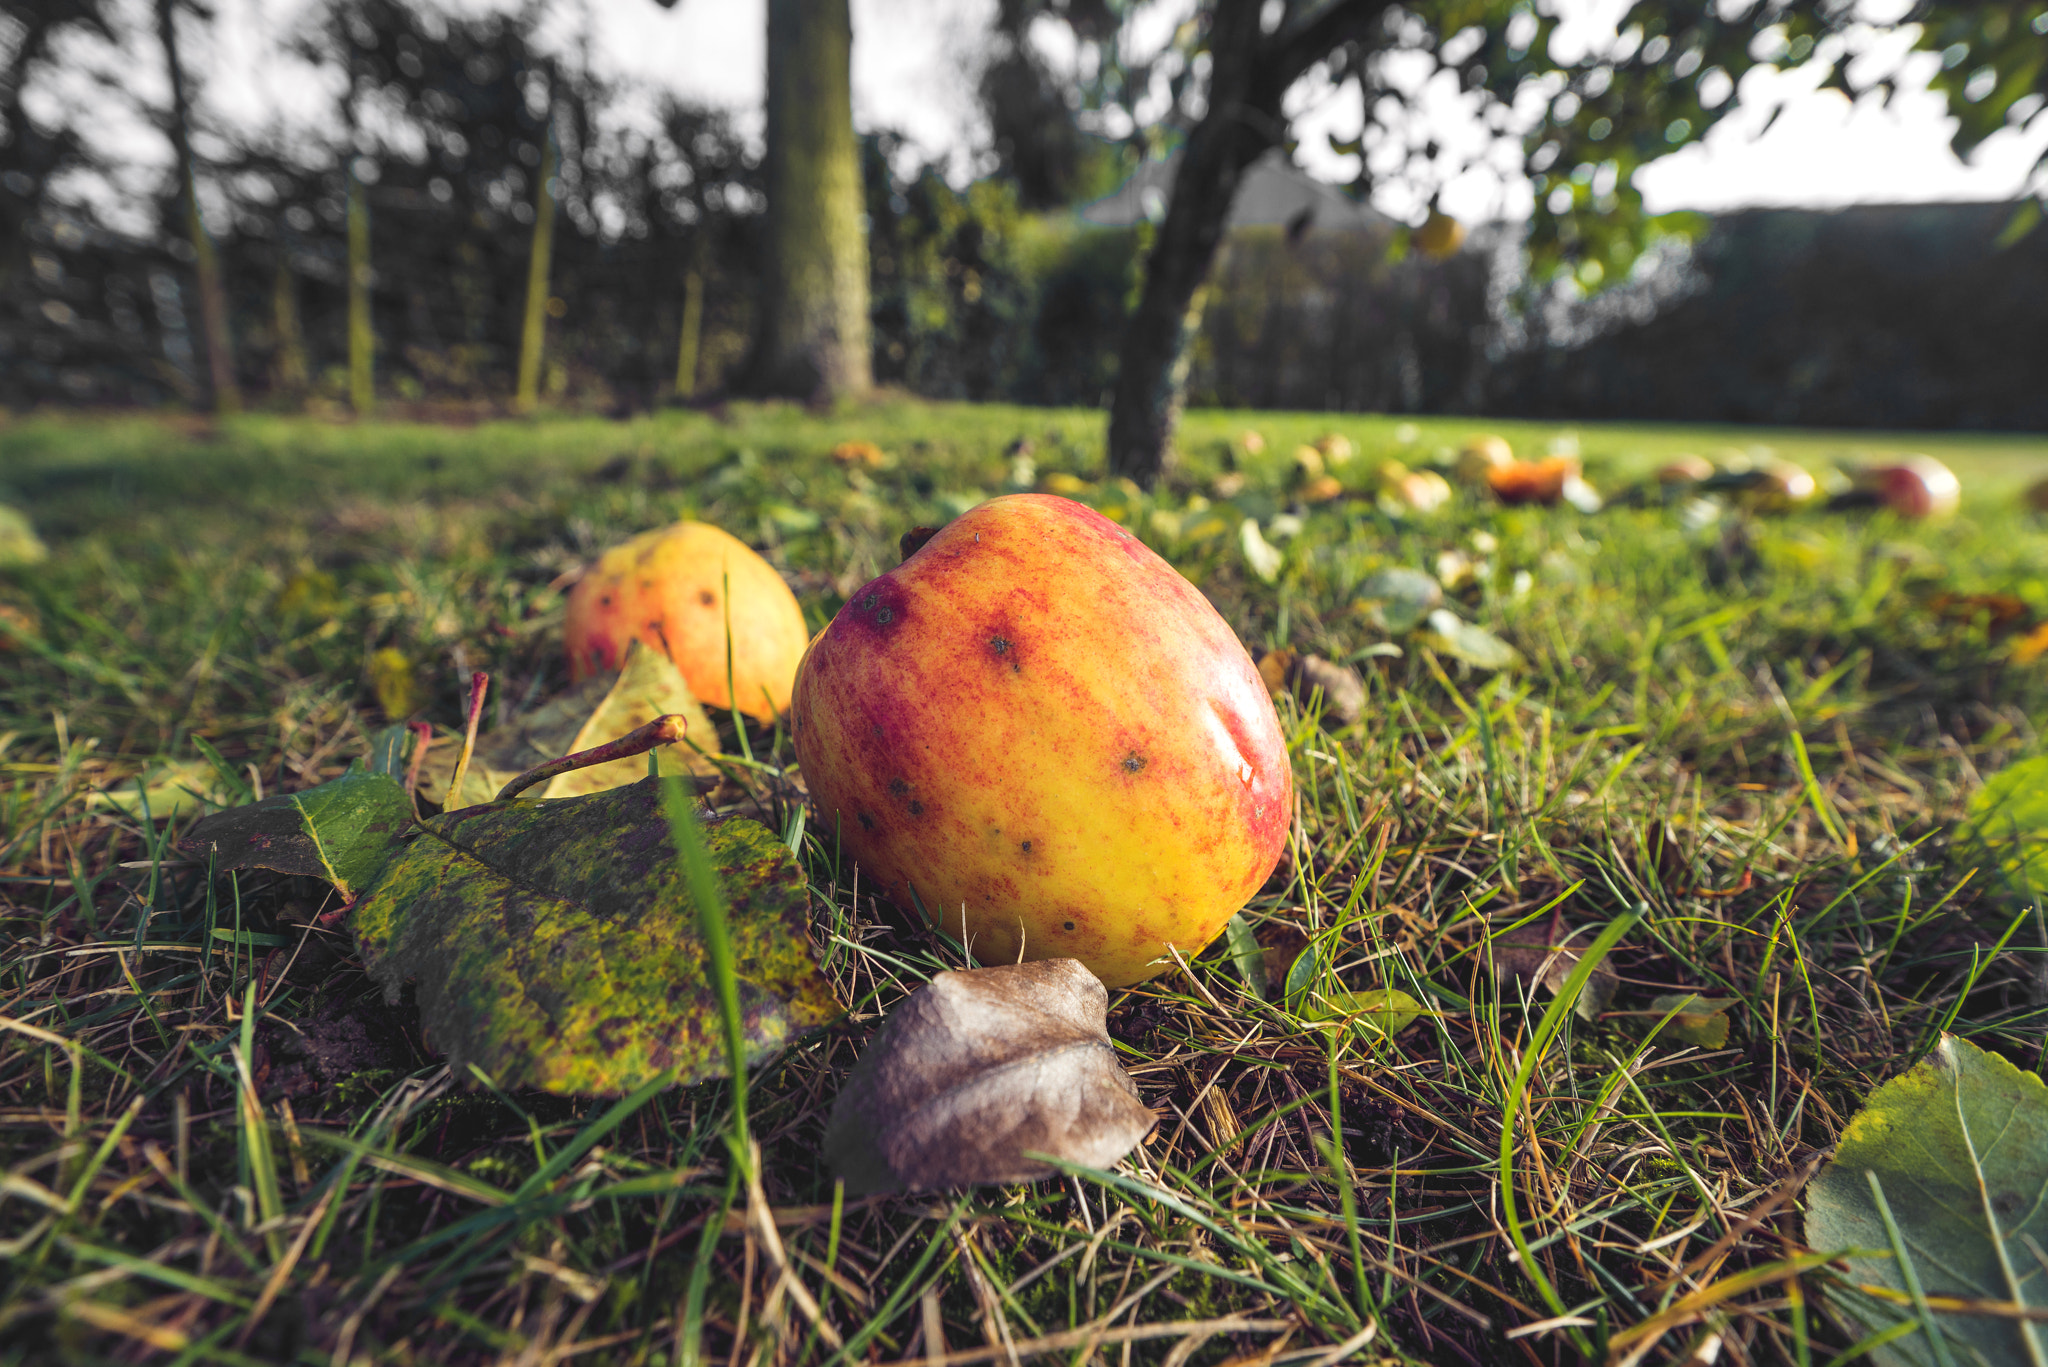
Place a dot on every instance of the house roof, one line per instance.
(1274, 191)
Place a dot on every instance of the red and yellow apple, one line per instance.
(1915, 487)
(1038, 734)
(667, 588)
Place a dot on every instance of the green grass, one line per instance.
(1740, 747)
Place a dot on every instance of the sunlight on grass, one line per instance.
(1739, 746)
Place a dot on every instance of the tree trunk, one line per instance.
(213, 302)
(814, 329)
(362, 389)
(289, 372)
(1249, 75)
(535, 331)
(692, 332)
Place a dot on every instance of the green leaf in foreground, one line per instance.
(1959, 1146)
(345, 831)
(556, 945)
(2008, 820)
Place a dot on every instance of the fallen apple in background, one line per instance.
(1778, 487)
(1038, 734)
(667, 588)
(1482, 455)
(1916, 487)
(1680, 472)
(1532, 481)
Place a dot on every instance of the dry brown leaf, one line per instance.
(978, 1068)
(1548, 958)
(1342, 689)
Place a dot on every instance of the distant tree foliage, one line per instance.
(974, 293)
(1587, 120)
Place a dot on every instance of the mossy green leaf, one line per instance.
(345, 831)
(1959, 1147)
(555, 944)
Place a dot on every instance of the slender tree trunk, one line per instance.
(291, 373)
(1249, 75)
(814, 329)
(213, 302)
(362, 388)
(692, 332)
(534, 334)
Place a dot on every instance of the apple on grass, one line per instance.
(669, 589)
(1038, 734)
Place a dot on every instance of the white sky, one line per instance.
(913, 71)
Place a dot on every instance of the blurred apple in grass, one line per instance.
(669, 588)
(1036, 733)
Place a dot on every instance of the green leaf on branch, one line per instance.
(555, 944)
(1958, 1148)
(345, 831)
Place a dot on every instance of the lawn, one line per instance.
(1748, 737)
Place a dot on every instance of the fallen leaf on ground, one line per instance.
(344, 830)
(19, 544)
(977, 1069)
(1386, 1010)
(1475, 645)
(1698, 1020)
(173, 789)
(1958, 1146)
(1341, 688)
(1246, 953)
(1264, 559)
(555, 944)
(600, 709)
(1547, 958)
(396, 683)
(1396, 600)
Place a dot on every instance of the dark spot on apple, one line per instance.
(707, 598)
(605, 599)
(883, 617)
(900, 786)
(1133, 762)
(1025, 846)
(999, 645)
(1068, 925)
(867, 823)
(867, 604)
(916, 807)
